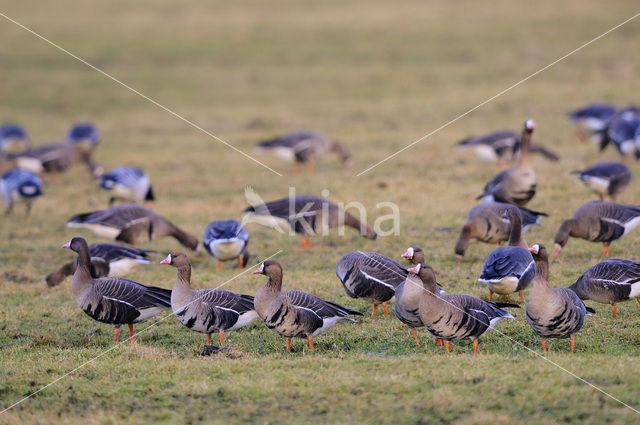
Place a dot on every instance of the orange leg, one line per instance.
(240, 263)
(502, 164)
(638, 299)
(448, 345)
(490, 295)
(415, 336)
(132, 338)
(521, 293)
(384, 307)
(310, 167)
(116, 334)
(605, 246)
(475, 347)
(288, 344)
(614, 308)
(375, 309)
(219, 266)
(545, 348)
(296, 167)
(572, 341)
(306, 243)
(613, 198)
(208, 339)
(581, 136)
(221, 336)
(439, 341)
(310, 338)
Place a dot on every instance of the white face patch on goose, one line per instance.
(409, 253)
(259, 269)
(415, 269)
(166, 260)
(535, 249)
(530, 125)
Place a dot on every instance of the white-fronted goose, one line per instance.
(606, 178)
(13, 138)
(57, 157)
(131, 223)
(370, 276)
(516, 185)
(610, 282)
(106, 260)
(552, 312)
(114, 300)
(305, 214)
(19, 185)
(128, 183)
(304, 147)
(207, 310)
(598, 221)
(454, 317)
(486, 223)
(509, 269)
(84, 136)
(295, 313)
(227, 240)
(591, 119)
(622, 131)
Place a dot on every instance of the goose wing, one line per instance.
(226, 300)
(506, 261)
(324, 309)
(112, 252)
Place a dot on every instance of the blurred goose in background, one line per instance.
(304, 147)
(114, 300)
(606, 178)
(227, 240)
(57, 157)
(592, 119)
(295, 314)
(13, 139)
(127, 183)
(552, 312)
(106, 260)
(131, 223)
(207, 310)
(19, 185)
(623, 131)
(598, 221)
(486, 223)
(84, 136)
(515, 185)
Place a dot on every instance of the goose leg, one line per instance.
(219, 266)
(132, 337)
(490, 295)
(572, 341)
(475, 347)
(415, 336)
(208, 349)
(116, 333)
(614, 308)
(502, 164)
(310, 338)
(605, 247)
(221, 336)
(545, 348)
(306, 243)
(240, 263)
(448, 345)
(310, 167)
(638, 299)
(208, 339)
(439, 341)
(375, 308)
(288, 344)
(384, 307)
(296, 167)
(521, 294)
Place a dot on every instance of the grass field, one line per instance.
(375, 75)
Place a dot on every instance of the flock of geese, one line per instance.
(420, 301)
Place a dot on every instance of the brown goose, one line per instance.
(131, 223)
(598, 221)
(606, 178)
(516, 185)
(57, 157)
(454, 317)
(610, 282)
(552, 312)
(485, 223)
(114, 300)
(207, 310)
(295, 313)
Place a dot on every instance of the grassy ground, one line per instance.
(375, 75)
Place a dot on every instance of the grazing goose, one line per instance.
(552, 312)
(454, 317)
(85, 136)
(606, 178)
(106, 260)
(207, 310)
(509, 269)
(131, 223)
(486, 223)
(592, 119)
(598, 221)
(623, 131)
(128, 183)
(304, 147)
(370, 276)
(19, 185)
(610, 282)
(114, 300)
(13, 138)
(56, 157)
(295, 313)
(227, 240)
(305, 214)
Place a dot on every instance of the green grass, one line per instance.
(373, 74)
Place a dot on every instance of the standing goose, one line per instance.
(113, 300)
(454, 317)
(598, 221)
(19, 185)
(552, 312)
(606, 178)
(370, 276)
(57, 157)
(13, 139)
(128, 183)
(131, 223)
(510, 268)
(592, 119)
(227, 240)
(610, 282)
(516, 185)
(207, 310)
(84, 136)
(486, 223)
(295, 313)
(623, 131)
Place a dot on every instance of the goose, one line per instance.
(294, 313)
(19, 185)
(56, 157)
(485, 223)
(598, 221)
(370, 276)
(128, 183)
(610, 282)
(84, 136)
(510, 268)
(606, 178)
(305, 214)
(454, 317)
(227, 240)
(114, 300)
(552, 312)
(106, 260)
(623, 131)
(515, 185)
(13, 138)
(304, 147)
(131, 223)
(207, 310)
(591, 119)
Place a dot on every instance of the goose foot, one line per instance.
(415, 336)
(614, 308)
(448, 345)
(306, 243)
(545, 348)
(476, 351)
